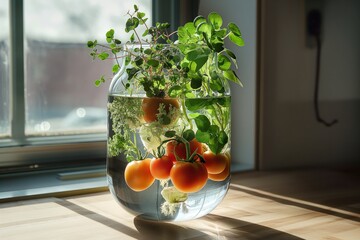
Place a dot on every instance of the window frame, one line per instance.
(25, 153)
(21, 153)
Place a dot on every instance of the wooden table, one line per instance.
(312, 204)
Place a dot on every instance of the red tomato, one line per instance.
(188, 177)
(160, 167)
(224, 174)
(150, 107)
(215, 163)
(138, 176)
(180, 149)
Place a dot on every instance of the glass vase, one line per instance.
(139, 125)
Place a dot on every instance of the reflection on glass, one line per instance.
(4, 70)
(60, 94)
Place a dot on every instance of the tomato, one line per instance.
(224, 174)
(188, 177)
(215, 163)
(138, 176)
(160, 167)
(150, 107)
(180, 149)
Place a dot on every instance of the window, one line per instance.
(54, 102)
(4, 70)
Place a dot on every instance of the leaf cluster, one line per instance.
(197, 62)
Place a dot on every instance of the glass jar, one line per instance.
(189, 132)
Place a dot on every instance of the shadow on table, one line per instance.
(208, 227)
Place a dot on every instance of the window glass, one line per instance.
(61, 97)
(4, 70)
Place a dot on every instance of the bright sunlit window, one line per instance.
(60, 101)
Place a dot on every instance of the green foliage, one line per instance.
(197, 64)
(200, 51)
(125, 115)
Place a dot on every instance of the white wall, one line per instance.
(290, 135)
(243, 13)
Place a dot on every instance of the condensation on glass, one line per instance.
(61, 97)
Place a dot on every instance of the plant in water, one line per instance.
(174, 105)
(197, 63)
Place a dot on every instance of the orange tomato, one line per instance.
(180, 149)
(224, 174)
(150, 107)
(160, 167)
(188, 177)
(138, 176)
(214, 163)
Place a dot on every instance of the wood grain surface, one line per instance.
(312, 204)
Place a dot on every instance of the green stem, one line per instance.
(137, 149)
(185, 113)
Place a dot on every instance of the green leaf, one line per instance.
(236, 39)
(231, 75)
(138, 61)
(97, 82)
(221, 33)
(132, 37)
(234, 29)
(203, 137)
(223, 138)
(146, 32)
(131, 72)
(202, 123)
(197, 104)
(196, 83)
(218, 44)
(110, 33)
(115, 68)
(216, 20)
(90, 44)
(190, 28)
(198, 20)
(204, 28)
(192, 55)
(189, 135)
(131, 24)
(175, 91)
(153, 62)
(148, 51)
(224, 63)
(140, 15)
(136, 8)
(143, 21)
(198, 62)
(117, 41)
(103, 55)
(170, 134)
(230, 53)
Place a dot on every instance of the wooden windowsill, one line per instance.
(311, 204)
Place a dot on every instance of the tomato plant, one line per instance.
(180, 149)
(163, 110)
(215, 163)
(160, 167)
(138, 176)
(224, 174)
(188, 177)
